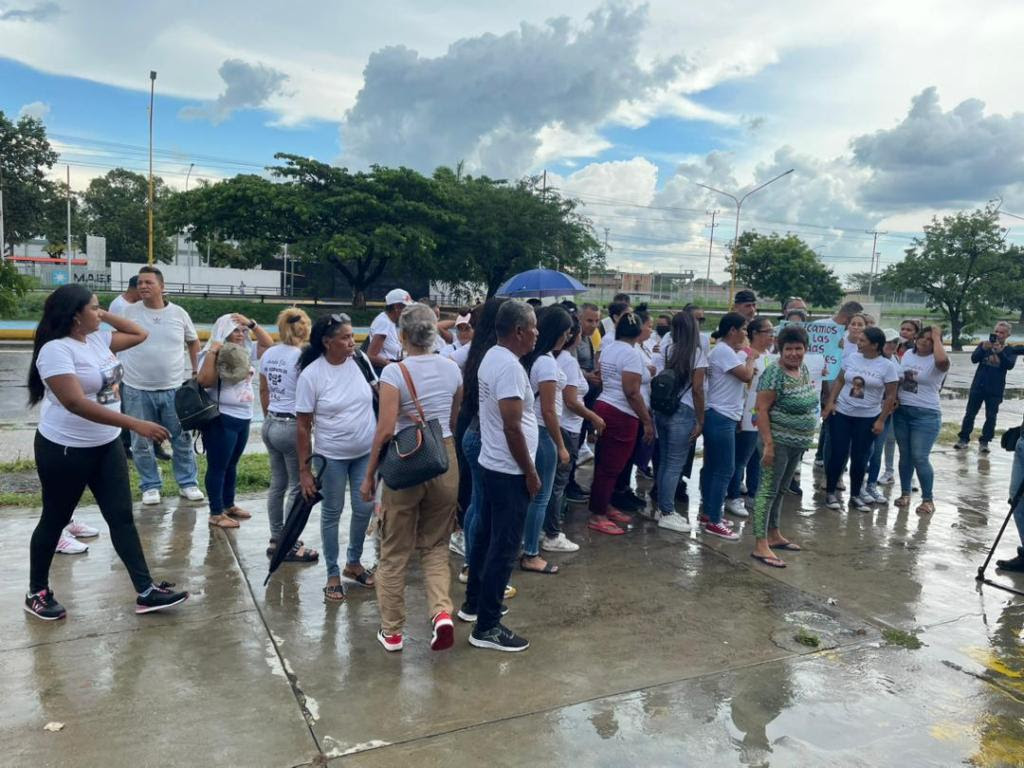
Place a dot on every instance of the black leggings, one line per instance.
(64, 474)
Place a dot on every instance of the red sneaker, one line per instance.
(390, 642)
(444, 632)
(721, 531)
(704, 520)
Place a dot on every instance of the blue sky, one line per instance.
(625, 105)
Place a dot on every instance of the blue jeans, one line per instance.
(674, 448)
(337, 474)
(746, 448)
(546, 462)
(719, 461)
(916, 431)
(225, 438)
(158, 406)
(471, 450)
(880, 446)
(499, 531)
(1016, 478)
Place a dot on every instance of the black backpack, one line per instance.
(665, 392)
(193, 406)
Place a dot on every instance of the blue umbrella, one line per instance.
(540, 283)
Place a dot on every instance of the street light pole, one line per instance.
(739, 204)
(188, 245)
(3, 241)
(68, 248)
(152, 87)
(711, 243)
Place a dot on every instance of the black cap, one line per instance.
(745, 296)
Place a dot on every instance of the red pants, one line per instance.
(614, 450)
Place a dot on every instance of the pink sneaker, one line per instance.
(390, 642)
(704, 520)
(721, 531)
(69, 545)
(80, 530)
(444, 632)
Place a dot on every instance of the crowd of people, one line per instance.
(503, 405)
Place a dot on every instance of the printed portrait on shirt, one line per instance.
(110, 390)
(909, 381)
(857, 387)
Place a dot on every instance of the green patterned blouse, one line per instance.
(794, 416)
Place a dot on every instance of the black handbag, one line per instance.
(1010, 438)
(417, 453)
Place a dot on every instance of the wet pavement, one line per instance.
(647, 649)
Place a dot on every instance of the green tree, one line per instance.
(25, 157)
(781, 266)
(116, 207)
(12, 286)
(55, 221)
(958, 264)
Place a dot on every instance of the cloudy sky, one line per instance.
(887, 112)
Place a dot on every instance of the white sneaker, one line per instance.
(675, 522)
(464, 574)
(834, 501)
(559, 543)
(875, 494)
(80, 530)
(861, 504)
(152, 496)
(457, 543)
(69, 545)
(585, 455)
(192, 493)
(736, 507)
(887, 478)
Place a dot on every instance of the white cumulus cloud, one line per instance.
(246, 86)
(36, 109)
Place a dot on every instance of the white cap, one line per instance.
(462, 320)
(891, 334)
(398, 296)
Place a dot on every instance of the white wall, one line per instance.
(203, 279)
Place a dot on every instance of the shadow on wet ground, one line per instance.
(651, 648)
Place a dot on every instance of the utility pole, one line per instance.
(604, 277)
(711, 243)
(739, 204)
(874, 256)
(188, 245)
(152, 87)
(3, 241)
(68, 247)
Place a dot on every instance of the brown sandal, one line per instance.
(903, 501)
(238, 512)
(925, 508)
(334, 593)
(223, 521)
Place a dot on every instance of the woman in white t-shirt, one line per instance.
(418, 519)
(918, 419)
(761, 336)
(678, 431)
(621, 405)
(730, 369)
(861, 398)
(279, 375)
(547, 380)
(334, 407)
(227, 374)
(76, 377)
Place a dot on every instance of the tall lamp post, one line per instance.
(152, 87)
(188, 244)
(739, 204)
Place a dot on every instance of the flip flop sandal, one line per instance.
(306, 556)
(606, 526)
(788, 545)
(925, 508)
(364, 578)
(272, 548)
(774, 562)
(902, 501)
(334, 593)
(619, 517)
(548, 567)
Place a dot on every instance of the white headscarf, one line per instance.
(223, 328)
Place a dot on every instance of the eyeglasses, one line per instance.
(340, 318)
(765, 330)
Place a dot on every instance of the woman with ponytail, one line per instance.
(76, 377)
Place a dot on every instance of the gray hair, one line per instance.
(511, 315)
(1005, 325)
(418, 325)
(589, 306)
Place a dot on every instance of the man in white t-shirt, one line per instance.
(126, 299)
(508, 436)
(153, 373)
(619, 306)
(385, 347)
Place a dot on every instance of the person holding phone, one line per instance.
(994, 358)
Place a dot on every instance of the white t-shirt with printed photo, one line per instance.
(545, 368)
(342, 406)
(616, 359)
(501, 377)
(864, 383)
(920, 381)
(749, 421)
(569, 365)
(98, 371)
(235, 400)
(280, 367)
(436, 379)
(382, 325)
(725, 392)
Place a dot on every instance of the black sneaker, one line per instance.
(499, 638)
(1013, 564)
(43, 605)
(160, 597)
(983, 447)
(681, 494)
(960, 444)
(627, 501)
(795, 489)
(577, 495)
(469, 614)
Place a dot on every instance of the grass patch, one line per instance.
(809, 639)
(903, 639)
(253, 477)
(949, 433)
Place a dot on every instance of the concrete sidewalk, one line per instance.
(648, 649)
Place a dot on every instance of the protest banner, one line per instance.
(824, 337)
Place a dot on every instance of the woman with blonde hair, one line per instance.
(279, 375)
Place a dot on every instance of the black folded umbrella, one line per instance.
(298, 516)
